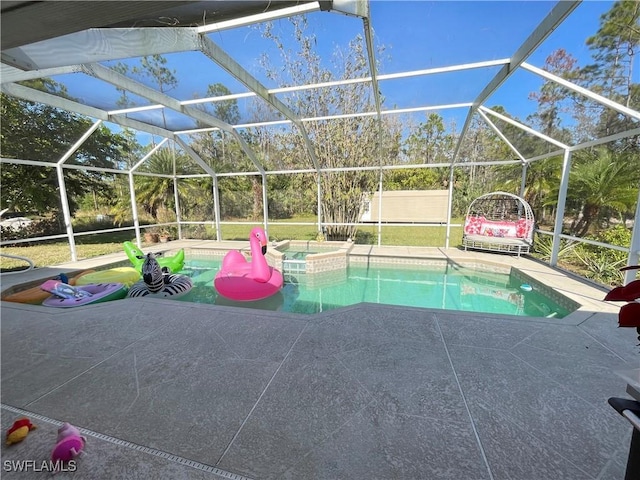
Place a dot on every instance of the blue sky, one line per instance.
(417, 35)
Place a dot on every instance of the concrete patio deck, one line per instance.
(175, 390)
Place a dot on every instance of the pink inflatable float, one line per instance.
(246, 281)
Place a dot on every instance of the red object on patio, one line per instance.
(628, 293)
(629, 315)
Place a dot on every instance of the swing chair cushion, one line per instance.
(500, 222)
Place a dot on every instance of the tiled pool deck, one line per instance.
(167, 389)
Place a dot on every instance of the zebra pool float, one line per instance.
(156, 282)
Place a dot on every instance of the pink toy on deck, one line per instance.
(245, 281)
(70, 444)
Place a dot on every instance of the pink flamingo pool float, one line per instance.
(244, 281)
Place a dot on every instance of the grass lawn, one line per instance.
(88, 246)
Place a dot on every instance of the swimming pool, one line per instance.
(449, 287)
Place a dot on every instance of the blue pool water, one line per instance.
(444, 288)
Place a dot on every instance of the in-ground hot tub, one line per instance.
(296, 256)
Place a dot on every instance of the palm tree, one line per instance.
(156, 193)
(543, 181)
(602, 181)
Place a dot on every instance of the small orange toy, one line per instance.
(19, 430)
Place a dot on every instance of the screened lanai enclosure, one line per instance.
(198, 115)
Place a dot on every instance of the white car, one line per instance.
(17, 223)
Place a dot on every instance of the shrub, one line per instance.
(543, 246)
(603, 264)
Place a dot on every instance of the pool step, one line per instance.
(294, 266)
